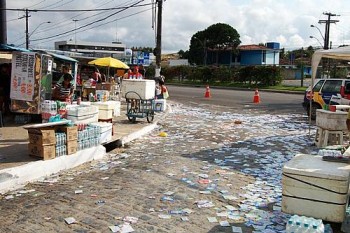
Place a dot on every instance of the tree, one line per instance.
(183, 54)
(216, 36)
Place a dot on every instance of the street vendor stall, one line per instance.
(32, 80)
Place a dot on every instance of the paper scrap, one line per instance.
(114, 228)
(212, 219)
(224, 223)
(164, 216)
(78, 191)
(237, 229)
(69, 220)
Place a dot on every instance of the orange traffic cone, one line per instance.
(207, 92)
(256, 98)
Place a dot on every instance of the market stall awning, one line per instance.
(6, 47)
(109, 62)
(62, 57)
(341, 53)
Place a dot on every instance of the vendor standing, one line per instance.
(63, 90)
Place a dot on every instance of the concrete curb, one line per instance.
(17, 177)
(145, 130)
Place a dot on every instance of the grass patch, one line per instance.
(238, 85)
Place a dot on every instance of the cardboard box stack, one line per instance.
(42, 142)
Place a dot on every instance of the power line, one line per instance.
(84, 26)
(81, 10)
(95, 21)
(111, 21)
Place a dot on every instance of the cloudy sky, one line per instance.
(257, 21)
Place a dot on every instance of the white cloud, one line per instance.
(257, 21)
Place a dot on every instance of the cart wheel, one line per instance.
(150, 116)
(132, 118)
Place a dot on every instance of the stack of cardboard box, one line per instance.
(42, 142)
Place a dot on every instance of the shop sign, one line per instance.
(23, 76)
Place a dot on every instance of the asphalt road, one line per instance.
(274, 103)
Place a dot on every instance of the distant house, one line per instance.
(245, 55)
(259, 55)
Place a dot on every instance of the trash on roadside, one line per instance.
(205, 204)
(212, 219)
(164, 216)
(169, 193)
(237, 229)
(131, 220)
(70, 220)
(100, 202)
(78, 191)
(114, 229)
(224, 223)
(184, 219)
(167, 198)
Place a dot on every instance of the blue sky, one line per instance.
(257, 21)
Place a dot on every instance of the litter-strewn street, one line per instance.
(212, 172)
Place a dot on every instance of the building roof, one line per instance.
(252, 47)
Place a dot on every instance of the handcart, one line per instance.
(138, 108)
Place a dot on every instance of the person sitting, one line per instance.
(164, 94)
(63, 91)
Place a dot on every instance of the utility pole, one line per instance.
(159, 37)
(327, 28)
(3, 25)
(27, 29)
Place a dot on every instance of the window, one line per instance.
(332, 86)
(318, 85)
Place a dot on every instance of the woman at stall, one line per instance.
(63, 90)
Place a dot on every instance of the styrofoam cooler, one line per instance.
(107, 109)
(106, 131)
(82, 114)
(143, 87)
(160, 105)
(315, 188)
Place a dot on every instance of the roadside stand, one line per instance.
(139, 95)
(317, 186)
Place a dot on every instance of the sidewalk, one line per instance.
(17, 167)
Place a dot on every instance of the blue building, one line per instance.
(245, 55)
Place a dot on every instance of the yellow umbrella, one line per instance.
(109, 62)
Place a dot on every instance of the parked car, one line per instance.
(323, 91)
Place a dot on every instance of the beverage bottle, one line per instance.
(290, 226)
(298, 227)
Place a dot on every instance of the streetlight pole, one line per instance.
(324, 40)
(28, 35)
(312, 37)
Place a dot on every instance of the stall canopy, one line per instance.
(6, 47)
(341, 53)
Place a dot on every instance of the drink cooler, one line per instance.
(144, 88)
(315, 188)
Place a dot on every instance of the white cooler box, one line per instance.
(82, 114)
(106, 131)
(160, 105)
(108, 109)
(315, 188)
(144, 88)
